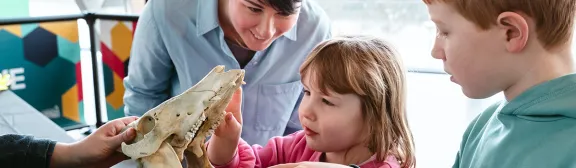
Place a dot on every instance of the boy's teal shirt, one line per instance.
(537, 129)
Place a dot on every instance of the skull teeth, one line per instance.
(215, 125)
(197, 124)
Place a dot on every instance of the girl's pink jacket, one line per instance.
(288, 149)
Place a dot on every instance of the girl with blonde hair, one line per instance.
(353, 113)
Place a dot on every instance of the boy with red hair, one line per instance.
(521, 48)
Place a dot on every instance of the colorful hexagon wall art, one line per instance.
(115, 44)
(44, 61)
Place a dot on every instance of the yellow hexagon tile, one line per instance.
(14, 29)
(70, 106)
(121, 41)
(116, 97)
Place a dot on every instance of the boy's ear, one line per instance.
(516, 30)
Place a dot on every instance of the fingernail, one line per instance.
(228, 116)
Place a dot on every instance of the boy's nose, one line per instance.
(438, 53)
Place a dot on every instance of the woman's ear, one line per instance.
(515, 30)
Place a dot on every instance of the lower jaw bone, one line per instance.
(179, 126)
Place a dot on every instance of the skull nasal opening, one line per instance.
(146, 124)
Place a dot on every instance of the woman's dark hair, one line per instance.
(287, 7)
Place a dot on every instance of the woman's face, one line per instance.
(258, 23)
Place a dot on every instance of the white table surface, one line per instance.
(19, 117)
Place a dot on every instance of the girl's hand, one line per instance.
(223, 143)
(231, 128)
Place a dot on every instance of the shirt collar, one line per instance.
(207, 19)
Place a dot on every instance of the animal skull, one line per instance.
(179, 126)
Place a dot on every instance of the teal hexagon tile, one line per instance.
(68, 50)
(11, 48)
(46, 85)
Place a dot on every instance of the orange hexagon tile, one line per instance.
(116, 97)
(14, 29)
(121, 41)
(70, 107)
